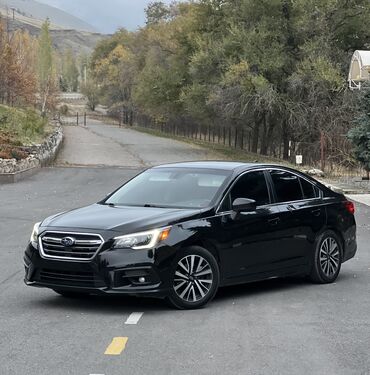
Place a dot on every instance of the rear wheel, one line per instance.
(194, 280)
(327, 260)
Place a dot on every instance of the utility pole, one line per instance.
(322, 150)
(7, 23)
(13, 9)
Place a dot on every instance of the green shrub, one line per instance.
(64, 109)
(18, 155)
(33, 124)
(21, 126)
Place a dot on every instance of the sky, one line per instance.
(106, 15)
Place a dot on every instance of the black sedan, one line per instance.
(180, 231)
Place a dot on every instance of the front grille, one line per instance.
(70, 278)
(76, 246)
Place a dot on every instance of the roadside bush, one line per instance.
(9, 152)
(18, 154)
(33, 124)
(19, 127)
(64, 109)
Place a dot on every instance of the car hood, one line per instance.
(122, 219)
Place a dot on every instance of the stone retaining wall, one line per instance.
(39, 156)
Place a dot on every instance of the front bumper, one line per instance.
(122, 271)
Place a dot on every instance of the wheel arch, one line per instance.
(207, 245)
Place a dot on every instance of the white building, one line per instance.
(359, 70)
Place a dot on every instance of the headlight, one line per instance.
(143, 240)
(35, 233)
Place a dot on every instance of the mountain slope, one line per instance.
(34, 13)
(78, 41)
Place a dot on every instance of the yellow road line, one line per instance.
(117, 346)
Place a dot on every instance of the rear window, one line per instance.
(287, 186)
(309, 190)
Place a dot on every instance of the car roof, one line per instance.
(238, 167)
(222, 165)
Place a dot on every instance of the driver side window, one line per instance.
(251, 185)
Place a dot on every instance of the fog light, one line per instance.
(141, 279)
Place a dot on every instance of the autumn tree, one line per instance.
(69, 78)
(156, 11)
(91, 90)
(46, 73)
(17, 74)
(275, 69)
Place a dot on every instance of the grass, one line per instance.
(20, 128)
(220, 151)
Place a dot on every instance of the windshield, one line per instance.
(171, 187)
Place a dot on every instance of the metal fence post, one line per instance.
(322, 150)
(77, 118)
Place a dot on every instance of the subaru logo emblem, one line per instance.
(68, 241)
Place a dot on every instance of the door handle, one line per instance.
(290, 207)
(316, 212)
(274, 221)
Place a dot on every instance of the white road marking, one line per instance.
(134, 318)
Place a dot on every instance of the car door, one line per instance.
(301, 213)
(247, 241)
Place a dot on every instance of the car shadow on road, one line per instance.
(125, 304)
(268, 287)
(260, 287)
(102, 304)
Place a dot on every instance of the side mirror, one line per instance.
(244, 205)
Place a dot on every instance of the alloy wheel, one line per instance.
(329, 256)
(193, 278)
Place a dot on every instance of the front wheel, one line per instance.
(194, 280)
(327, 260)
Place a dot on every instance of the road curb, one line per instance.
(45, 156)
(10, 178)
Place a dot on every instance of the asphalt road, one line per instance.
(274, 327)
(110, 145)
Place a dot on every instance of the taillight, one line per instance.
(350, 207)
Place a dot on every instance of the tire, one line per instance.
(69, 294)
(194, 279)
(327, 258)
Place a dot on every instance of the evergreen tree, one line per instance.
(360, 134)
(70, 72)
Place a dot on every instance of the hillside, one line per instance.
(34, 13)
(78, 41)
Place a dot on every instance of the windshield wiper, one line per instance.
(108, 204)
(152, 205)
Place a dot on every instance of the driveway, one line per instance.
(98, 144)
